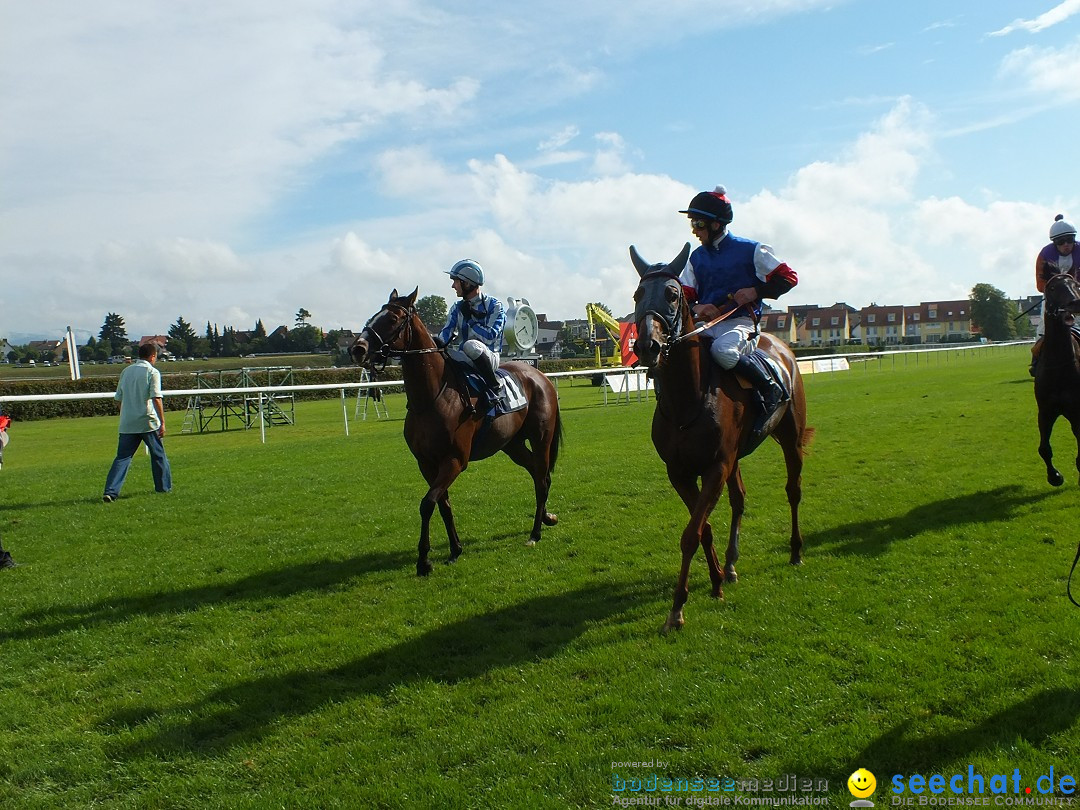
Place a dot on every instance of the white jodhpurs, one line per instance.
(477, 351)
(731, 340)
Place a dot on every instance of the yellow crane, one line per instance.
(597, 317)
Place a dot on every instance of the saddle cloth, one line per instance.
(511, 397)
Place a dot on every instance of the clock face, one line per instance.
(524, 328)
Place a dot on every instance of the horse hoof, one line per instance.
(796, 561)
(670, 625)
(550, 519)
(718, 594)
(1055, 478)
(423, 568)
(532, 541)
(730, 575)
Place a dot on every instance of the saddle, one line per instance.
(511, 397)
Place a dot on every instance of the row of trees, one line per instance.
(184, 341)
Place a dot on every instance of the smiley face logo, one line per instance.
(861, 783)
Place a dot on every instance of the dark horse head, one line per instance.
(659, 305)
(386, 331)
(1062, 296)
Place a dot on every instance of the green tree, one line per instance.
(113, 334)
(569, 345)
(993, 312)
(260, 330)
(432, 310)
(305, 338)
(182, 337)
(302, 316)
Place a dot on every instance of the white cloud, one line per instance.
(1058, 14)
(1053, 74)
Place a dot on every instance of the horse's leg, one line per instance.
(687, 489)
(538, 463)
(711, 485)
(790, 435)
(439, 479)
(1075, 424)
(447, 515)
(737, 499)
(1046, 427)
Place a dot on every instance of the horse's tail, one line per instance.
(806, 438)
(556, 440)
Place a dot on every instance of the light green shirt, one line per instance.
(139, 385)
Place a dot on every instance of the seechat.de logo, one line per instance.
(862, 784)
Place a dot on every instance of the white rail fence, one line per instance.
(622, 380)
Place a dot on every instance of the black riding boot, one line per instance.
(486, 400)
(769, 392)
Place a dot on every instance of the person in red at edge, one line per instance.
(729, 270)
(1060, 256)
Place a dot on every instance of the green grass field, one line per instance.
(258, 638)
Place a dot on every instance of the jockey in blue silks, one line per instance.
(474, 327)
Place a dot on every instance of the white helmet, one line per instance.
(1061, 228)
(468, 270)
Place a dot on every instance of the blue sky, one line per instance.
(231, 161)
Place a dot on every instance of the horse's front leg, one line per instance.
(696, 530)
(1046, 427)
(737, 499)
(439, 481)
(687, 489)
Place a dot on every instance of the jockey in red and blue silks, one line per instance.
(727, 271)
(1062, 255)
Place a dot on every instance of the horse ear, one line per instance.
(412, 296)
(640, 264)
(393, 295)
(679, 262)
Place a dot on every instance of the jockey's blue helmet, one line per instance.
(468, 270)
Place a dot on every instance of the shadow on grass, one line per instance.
(535, 629)
(871, 537)
(282, 582)
(1034, 720)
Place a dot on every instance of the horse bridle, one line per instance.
(382, 353)
(1071, 307)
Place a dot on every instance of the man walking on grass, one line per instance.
(142, 419)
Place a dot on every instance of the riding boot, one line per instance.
(486, 400)
(771, 395)
(1035, 351)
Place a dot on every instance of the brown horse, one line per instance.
(703, 422)
(443, 430)
(1057, 372)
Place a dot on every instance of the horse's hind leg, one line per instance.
(538, 467)
(1046, 427)
(790, 436)
(737, 499)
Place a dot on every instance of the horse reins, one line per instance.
(1068, 583)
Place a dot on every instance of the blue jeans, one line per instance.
(125, 449)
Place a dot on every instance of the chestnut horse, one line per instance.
(442, 429)
(703, 421)
(1057, 372)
